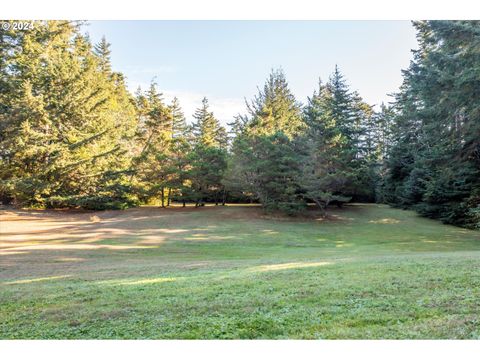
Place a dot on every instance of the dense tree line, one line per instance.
(71, 135)
(433, 165)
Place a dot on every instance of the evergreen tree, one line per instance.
(326, 171)
(154, 166)
(66, 126)
(209, 156)
(208, 164)
(339, 161)
(384, 123)
(180, 128)
(265, 162)
(267, 167)
(274, 109)
(433, 166)
(382, 139)
(207, 129)
(342, 108)
(180, 153)
(102, 50)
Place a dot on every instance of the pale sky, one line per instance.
(227, 60)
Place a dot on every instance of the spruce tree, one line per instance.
(208, 157)
(274, 109)
(154, 165)
(265, 161)
(339, 162)
(325, 167)
(206, 128)
(180, 154)
(434, 162)
(180, 128)
(66, 126)
(102, 50)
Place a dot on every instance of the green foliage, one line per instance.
(66, 120)
(267, 167)
(180, 129)
(434, 163)
(340, 145)
(326, 170)
(154, 165)
(70, 132)
(207, 129)
(208, 164)
(208, 158)
(274, 109)
(266, 158)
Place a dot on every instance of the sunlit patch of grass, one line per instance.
(35, 280)
(288, 266)
(141, 281)
(385, 221)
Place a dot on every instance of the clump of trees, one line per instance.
(71, 135)
(433, 165)
(66, 120)
(286, 155)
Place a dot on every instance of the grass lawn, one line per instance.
(368, 271)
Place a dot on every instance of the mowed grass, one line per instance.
(368, 271)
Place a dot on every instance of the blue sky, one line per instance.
(227, 60)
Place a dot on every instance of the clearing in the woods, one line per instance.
(366, 271)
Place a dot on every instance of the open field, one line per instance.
(368, 271)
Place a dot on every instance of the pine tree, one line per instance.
(265, 161)
(274, 109)
(180, 154)
(267, 168)
(154, 165)
(382, 139)
(207, 167)
(325, 168)
(340, 159)
(208, 157)
(207, 129)
(102, 50)
(180, 128)
(66, 126)
(342, 107)
(384, 122)
(434, 162)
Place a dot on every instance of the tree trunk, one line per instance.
(224, 197)
(163, 197)
(168, 196)
(321, 207)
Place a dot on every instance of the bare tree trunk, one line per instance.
(325, 208)
(163, 197)
(322, 207)
(169, 193)
(224, 197)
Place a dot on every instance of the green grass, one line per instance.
(230, 272)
